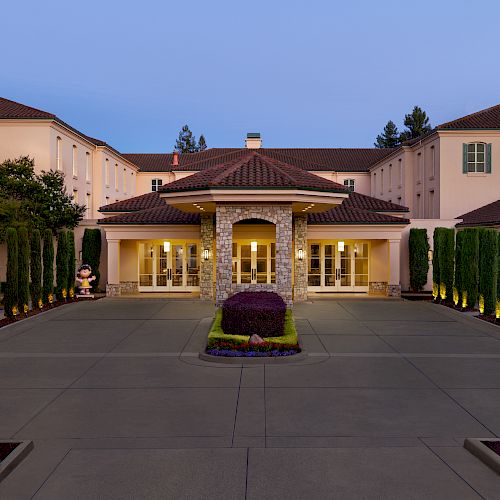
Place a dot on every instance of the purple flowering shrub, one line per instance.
(248, 313)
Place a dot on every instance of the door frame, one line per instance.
(236, 260)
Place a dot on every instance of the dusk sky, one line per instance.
(302, 73)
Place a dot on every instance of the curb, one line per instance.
(229, 360)
(15, 457)
(481, 451)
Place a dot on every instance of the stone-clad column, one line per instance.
(207, 266)
(394, 285)
(224, 251)
(300, 266)
(284, 226)
(113, 284)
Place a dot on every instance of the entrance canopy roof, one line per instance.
(253, 179)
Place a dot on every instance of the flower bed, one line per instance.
(222, 344)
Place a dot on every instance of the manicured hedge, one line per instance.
(61, 266)
(435, 262)
(457, 291)
(48, 266)
(488, 270)
(419, 262)
(23, 290)
(248, 313)
(11, 287)
(35, 268)
(70, 237)
(469, 273)
(91, 253)
(446, 262)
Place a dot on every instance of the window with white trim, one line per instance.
(75, 161)
(87, 204)
(75, 196)
(381, 181)
(125, 180)
(390, 176)
(348, 183)
(476, 157)
(116, 176)
(156, 183)
(400, 172)
(433, 161)
(87, 167)
(106, 172)
(58, 154)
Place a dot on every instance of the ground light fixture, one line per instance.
(166, 246)
(206, 254)
(253, 246)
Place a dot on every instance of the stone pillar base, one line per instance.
(393, 291)
(129, 287)
(113, 290)
(377, 288)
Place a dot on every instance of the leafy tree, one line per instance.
(202, 144)
(35, 268)
(416, 123)
(186, 143)
(70, 236)
(11, 289)
(23, 294)
(48, 265)
(61, 265)
(389, 137)
(419, 262)
(91, 253)
(37, 201)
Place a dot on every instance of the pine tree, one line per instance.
(48, 266)
(416, 123)
(23, 269)
(202, 144)
(61, 266)
(186, 143)
(11, 289)
(35, 268)
(389, 138)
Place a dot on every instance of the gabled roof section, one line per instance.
(488, 118)
(253, 171)
(488, 215)
(164, 214)
(364, 202)
(349, 215)
(142, 202)
(15, 110)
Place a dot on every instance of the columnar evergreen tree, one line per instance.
(202, 143)
(446, 262)
(488, 270)
(70, 237)
(48, 266)
(389, 138)
(61, 266)
(91, 253)
(23, 294)
(469, 266)
(419, 262)
(35, 268)
(11, 289)
(435, 263)
(457, 293)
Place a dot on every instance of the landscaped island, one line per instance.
(253, 324)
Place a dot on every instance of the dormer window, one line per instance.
(349, 184)
(477, 158)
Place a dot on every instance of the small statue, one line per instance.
(84, 278)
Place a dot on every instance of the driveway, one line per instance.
(120, 407)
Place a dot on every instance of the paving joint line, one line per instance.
(236, 409)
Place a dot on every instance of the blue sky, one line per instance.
(305, 74)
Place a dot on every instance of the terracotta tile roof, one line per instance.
(142, 202)
(488, 215)
(364, 202)
(488, 118)
(164, 214)
(349, 215)
(16, 110)
(320, 159)
(253, 171)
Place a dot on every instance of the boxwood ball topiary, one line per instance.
(248, 313)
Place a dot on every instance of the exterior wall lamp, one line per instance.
(300, 254)
(253, 246)
(430, 255)
(206, 254)
(166, 246)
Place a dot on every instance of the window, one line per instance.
(431, 204)
(116, 176)
(348, 183)
(75, 196)
(374, 191)
(87, 204)
(58, 154)
(75, 160)
(477, 157)
(87, 167)
(419, 168)
(390, 176)
(156, 183)
(400, 172)
(382, 181)
(125, 180)
(418, 207)
(106, 172)
(433, 162)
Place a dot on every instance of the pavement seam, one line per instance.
(452, 469)
(265, 410)
(236, 409)
(50, 473)
(246, 475)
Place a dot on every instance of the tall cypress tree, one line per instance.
(446, 262)
(458, 268)
(48, 265)
(23, 269)
(469, 266)
(488, 269)
(91, 253)
(35, 268)
(435, 262)
(61, 266)
(11, 289)
(419, 260)
(70, 237)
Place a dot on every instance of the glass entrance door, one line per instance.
(168, 267)
(255, 265)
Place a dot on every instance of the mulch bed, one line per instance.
(493, 445)
(34, 312)
(6, 449)
(489, 319)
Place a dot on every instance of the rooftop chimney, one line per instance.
(175, 159)
(253, 140)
